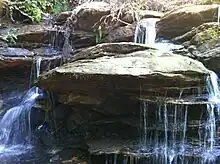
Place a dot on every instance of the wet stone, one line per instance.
(15, 52)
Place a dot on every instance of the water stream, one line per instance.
(166, 137)
(15, 126)
(60, 39)
(175, 133)
(171, 143)
(16, 134)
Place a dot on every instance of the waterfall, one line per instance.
(214, 102)
(143, 125)
(60, 38)
(214, 91)
(145, 31)
(15, 126)
(218, 14)
(174, 128)
(169, 140)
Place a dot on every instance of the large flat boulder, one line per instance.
(183, 19)
(101, 71)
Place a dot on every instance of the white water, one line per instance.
(214, 91)
(175, 143)
(143, 125)
(213, 110)
(218, 14)
(15, 126)
(145, 31)
(59, 39)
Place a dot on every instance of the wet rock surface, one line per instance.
(13, 57)
(33, 34)
(22, 58)
(12, 87)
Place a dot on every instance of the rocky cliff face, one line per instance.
(98, 91)
(103, 86)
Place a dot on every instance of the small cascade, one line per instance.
(145, 32)
(214, 91)
(143, 125)
(38, 66)
(15, 126)
(213, 111)
(167, 135)
(218, 14)
(171, 137)
(173, 132)
(60, 38)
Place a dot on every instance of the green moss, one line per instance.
(26, 10)
(33, 10)
(210, 34)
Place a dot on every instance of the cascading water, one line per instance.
(175, 133)
(15, 126)
(214, 91)
(218, 14)
(145, 31)
(166, 137)
(169, 140)
(60, 37)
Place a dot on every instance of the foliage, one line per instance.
(10, 37)
(59, 6)
(31, 10)
(210, 34)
